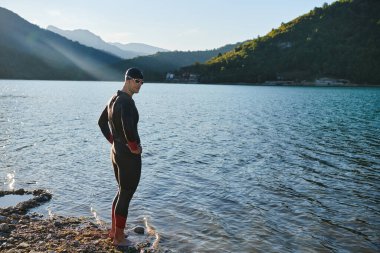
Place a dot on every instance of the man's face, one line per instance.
(136, 84)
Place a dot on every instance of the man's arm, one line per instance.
(103, 124)
(130, 129)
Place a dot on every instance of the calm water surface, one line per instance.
(225, 168)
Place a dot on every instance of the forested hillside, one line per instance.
(340, 40)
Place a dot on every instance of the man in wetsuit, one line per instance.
(118, 123)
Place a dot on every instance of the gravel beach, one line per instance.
(22, 231)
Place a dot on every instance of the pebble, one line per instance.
(4, 227)
(23, 245)
(35, 234)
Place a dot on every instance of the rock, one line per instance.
(13, 251)
(57, 224)
(139, 230)
(15, 216)
(23, 245)
(20, 192)
(4, 227)
(3, 218)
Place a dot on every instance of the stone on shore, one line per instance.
(139, 230)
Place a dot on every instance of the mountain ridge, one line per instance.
(339, 41)
(142, 49)
(91, 39)
(45, 55)
(158, 65)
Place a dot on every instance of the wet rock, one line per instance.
(139, 230)
(19, 192)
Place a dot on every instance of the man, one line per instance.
(118, 123)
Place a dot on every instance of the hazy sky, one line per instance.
(169, 24)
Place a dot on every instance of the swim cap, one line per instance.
(134, 73)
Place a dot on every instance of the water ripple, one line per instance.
(225, 168)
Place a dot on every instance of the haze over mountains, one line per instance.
(124, 51)
(30, 52)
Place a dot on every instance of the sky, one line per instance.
(169, 24)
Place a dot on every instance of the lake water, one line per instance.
(225, 168)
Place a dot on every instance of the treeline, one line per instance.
(340, 40)
(156, 66)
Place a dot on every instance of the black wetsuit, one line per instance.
(118, 123)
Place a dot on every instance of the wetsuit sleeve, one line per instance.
(129, 126)
(103, 124)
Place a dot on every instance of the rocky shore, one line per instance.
(21, 231)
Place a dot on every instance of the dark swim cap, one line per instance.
(134, 73)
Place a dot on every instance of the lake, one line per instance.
(225, 168)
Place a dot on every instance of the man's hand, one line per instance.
(137, 151)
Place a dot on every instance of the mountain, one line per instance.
(140, 48)
(87, 38)
(90, 39)
(29, 52)
(338, 41)
(156, 66)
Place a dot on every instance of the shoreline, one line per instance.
(277, 84)
(21, 231)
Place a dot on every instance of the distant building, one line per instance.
(184, 78)
(331, 81)
(169, 76)
(193, 78)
